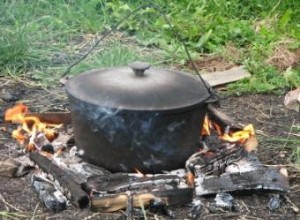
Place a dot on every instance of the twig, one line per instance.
(9, 205)
(260, 132)
(244, 204)
(293, 134)
(289, 134)
(92, 216)
(255, 107)
(225, 215)
(35, 210)
(129, 206)
(294, 207)
(7, 209)
(8, 81)
(266, 122)
(155, 217)
(143, 209)
(249, 217)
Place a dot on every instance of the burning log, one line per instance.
(114, 202)
(222, 119)
(78, 197)
(214, 163)
(111, 191)
(227, 124)
(32, 129)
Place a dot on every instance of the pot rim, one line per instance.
(140, 111)
(147, 94)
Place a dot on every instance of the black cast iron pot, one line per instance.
(137, 117)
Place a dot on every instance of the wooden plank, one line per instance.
(224, 77)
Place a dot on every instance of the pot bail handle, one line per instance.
(139, 67)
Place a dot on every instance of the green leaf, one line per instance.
(284, 20)
(204, 38)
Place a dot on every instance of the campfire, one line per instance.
(224, 163)
(31, 129)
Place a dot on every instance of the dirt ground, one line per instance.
(266, 112)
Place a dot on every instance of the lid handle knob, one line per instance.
(139, 67)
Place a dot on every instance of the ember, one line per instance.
(30, 127)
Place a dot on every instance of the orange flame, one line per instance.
(240, 136)
(206, 127)
(233, 137)
(30, 126)
(15, 114)
(139, 173)
(190, 178)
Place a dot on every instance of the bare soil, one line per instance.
(211, 63)
(266, 112)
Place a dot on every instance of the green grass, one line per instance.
(291, 144)
(32, 32)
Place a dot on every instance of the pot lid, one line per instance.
(138, 87)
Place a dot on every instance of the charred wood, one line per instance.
(114, 202)
(197, 209)
(263, 178)
(224, 201)
(48, 194)
(159, 207)
(227, 123)
(222, 119)
(121, 182)
(275, 202)
(78, 197)
(212, 162)
(112, 192)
